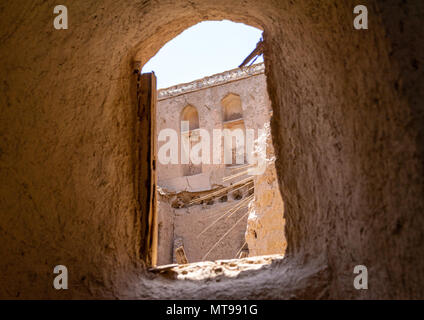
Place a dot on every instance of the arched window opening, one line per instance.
(232, 114)
(190, 132)
(231, 108)
(190, 115)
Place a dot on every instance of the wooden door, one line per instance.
(146, 164)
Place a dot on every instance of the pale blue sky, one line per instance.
(207, 48)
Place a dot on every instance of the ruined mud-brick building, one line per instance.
(205, 207)
(347, 130)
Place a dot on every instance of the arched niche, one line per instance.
(191, 115)
(231, 107)
(190, 131)
(232, 117)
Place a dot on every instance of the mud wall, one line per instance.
(266, 223)
(202, 228)
(347, 130)
(209, 231)
(256, 107)
(165, 230)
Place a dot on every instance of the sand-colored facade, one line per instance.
(206, 207)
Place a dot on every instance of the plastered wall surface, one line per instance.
(266, 223)
(208, 102)
(347, 130)
(191, 222)
(214, 228)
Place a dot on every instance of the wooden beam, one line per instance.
(146, 165)
(256, 52)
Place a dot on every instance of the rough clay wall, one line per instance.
(347, 129)
(191, 222)
(255, 104)
(200, 227)
(266, 224)
(165, 230)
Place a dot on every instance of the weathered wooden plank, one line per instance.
(146, 165)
